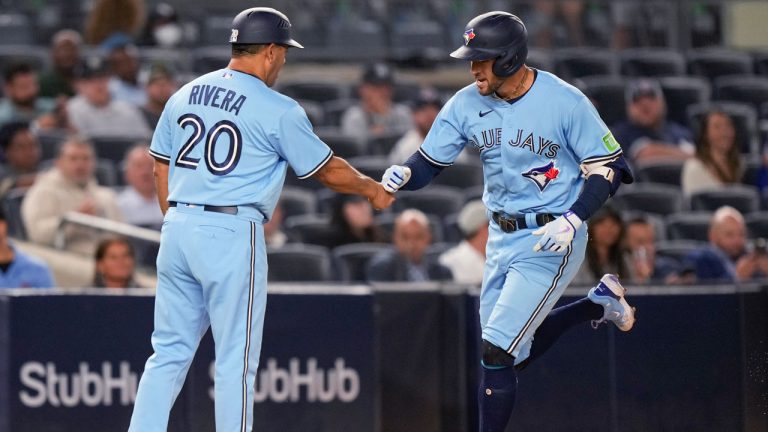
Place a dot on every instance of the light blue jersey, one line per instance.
(229, 138)
(531, 149)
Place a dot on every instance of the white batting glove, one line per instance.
(395, 177)
(558, 234)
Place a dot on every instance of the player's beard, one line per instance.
(492, 85)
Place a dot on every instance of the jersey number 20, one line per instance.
(183, 160)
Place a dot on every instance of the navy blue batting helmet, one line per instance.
(262, 25)
(495, 35)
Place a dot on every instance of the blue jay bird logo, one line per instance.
(542, 176)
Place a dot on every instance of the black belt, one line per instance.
(209, 208)
(513, 224)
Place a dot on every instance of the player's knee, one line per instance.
(495, 356)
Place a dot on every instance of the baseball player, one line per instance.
(549, 163)
(221, 149)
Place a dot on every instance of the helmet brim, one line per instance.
(293, 43)
(473, 54)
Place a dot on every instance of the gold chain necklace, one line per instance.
(519, 85)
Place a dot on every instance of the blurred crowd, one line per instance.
(74, 137)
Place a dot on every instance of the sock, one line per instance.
(558, 322)
(498, 385)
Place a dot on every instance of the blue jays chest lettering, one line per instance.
(534, 145)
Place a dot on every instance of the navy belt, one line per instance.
(210, 208)
(513, 224)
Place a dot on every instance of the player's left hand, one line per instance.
(558, 234)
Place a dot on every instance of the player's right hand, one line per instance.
(395, 177)
(382, 199)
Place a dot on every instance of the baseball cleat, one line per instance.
(610, 294)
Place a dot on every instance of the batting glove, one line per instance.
(558, 234)
(395, 177)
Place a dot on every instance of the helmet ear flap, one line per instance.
(510, 61)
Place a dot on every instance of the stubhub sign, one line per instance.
(67, 361)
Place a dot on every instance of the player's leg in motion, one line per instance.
(232, 272)
(520, 287)
(180, 322)
(605, 302)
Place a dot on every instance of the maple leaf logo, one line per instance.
(552, 173)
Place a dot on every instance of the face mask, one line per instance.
(168, 35)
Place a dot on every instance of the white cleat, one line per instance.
(610, 294)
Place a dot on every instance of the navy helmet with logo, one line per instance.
(495, 35)
(262, 25)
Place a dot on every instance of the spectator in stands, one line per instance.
(94, 114)
(108, 17)
(161, 84)
(406, 262)
(274, 236)
(376, 114)
(163, 28)
(718, 156)
(726, 258)
(647, 135)
(69, 186)
(352, 222)
(65, 55)
(424, 112)
(22, 101)
(467, 259)
(21, 152)
(17, 269)
(543, 21)
(115, 264)
(604, 247)
(644, 265)
(123, 60)
(138, 201)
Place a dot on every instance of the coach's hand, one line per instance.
(381, 199)
(395, 177)
(558, 234)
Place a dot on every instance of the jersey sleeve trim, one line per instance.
(317, 167)
(432, 160)
(602, 158)
(160, 156)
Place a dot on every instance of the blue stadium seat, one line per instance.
(216, 30)
(310, 228)
(540, 59)
(382, 145)
(678, 250)
(417, 40)
(372, 166)
(649, 198)
(435, 250)
(757, 224)
(713, 63)
(689, 226)
(16, 29)
(351, 260)
(11, 203)
(573, 63)
(211, 58)
(660, 172)
(435, 200)
(114, 148)
(299, 263)
(743, 198)
(342, 145)
(607, 94)
(297, 201)
(49, 143)
(177, 59)
(746, 89)
(649, 62)
(681, 92)
(35, 56)
(360, 40)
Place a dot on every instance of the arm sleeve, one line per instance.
(161, 140)
(445, 139)
(422, 171)
(298, 144)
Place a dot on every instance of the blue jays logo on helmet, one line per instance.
(542, 176)
(469, 35)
